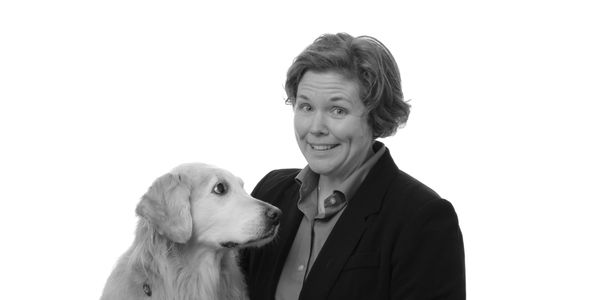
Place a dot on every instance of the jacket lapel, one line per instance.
(348, 230)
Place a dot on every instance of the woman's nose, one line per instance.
(318, 124)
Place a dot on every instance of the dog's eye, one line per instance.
(219, 188)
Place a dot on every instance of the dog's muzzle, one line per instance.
(272, 218)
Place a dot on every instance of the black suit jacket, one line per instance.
(396, 239)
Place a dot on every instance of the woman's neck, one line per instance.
(328, 183)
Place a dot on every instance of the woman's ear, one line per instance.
(166, 205)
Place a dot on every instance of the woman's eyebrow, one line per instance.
(340, 99)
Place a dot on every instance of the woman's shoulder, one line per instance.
(410, 195)
(280, 175)
(276, 179)
(403, 193)
(412, 186)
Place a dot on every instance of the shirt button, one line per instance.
(301, 268)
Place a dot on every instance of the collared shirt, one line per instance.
(317, 223)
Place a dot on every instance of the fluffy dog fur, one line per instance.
(191, 222)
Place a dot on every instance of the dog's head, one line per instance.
(197, 203)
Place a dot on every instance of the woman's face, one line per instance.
(331, 124)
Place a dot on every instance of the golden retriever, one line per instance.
(192, 221)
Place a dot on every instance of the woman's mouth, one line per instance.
(322, 147)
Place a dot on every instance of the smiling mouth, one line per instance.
(323, 147)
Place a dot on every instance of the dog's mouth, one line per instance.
(264, 239)
(229, 245)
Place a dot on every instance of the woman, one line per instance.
(354, 226)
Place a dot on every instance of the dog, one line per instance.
(192, 221)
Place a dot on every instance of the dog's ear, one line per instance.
(167, 206)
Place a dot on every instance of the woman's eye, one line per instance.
(339, 111)
(219, 188)
(304, 107)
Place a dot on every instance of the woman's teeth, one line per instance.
(322, 147)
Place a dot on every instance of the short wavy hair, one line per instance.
(366, 60)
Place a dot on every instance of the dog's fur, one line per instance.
(191, 222)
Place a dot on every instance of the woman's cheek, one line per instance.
(341, 130)
(301, 124)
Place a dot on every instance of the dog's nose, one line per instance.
(273, 215)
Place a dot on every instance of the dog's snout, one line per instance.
(273, 215)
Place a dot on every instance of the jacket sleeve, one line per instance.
(428, 257)
(244, 253)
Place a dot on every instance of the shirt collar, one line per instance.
(308, 179)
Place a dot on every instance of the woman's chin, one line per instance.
(320, 168)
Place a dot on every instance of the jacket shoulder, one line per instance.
(413, 187)
(277, 176)
(410, 195)
(276, 180)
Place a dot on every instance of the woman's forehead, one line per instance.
(331, 85)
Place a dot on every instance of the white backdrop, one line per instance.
(98, 98)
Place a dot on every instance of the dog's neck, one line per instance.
(197, 270)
